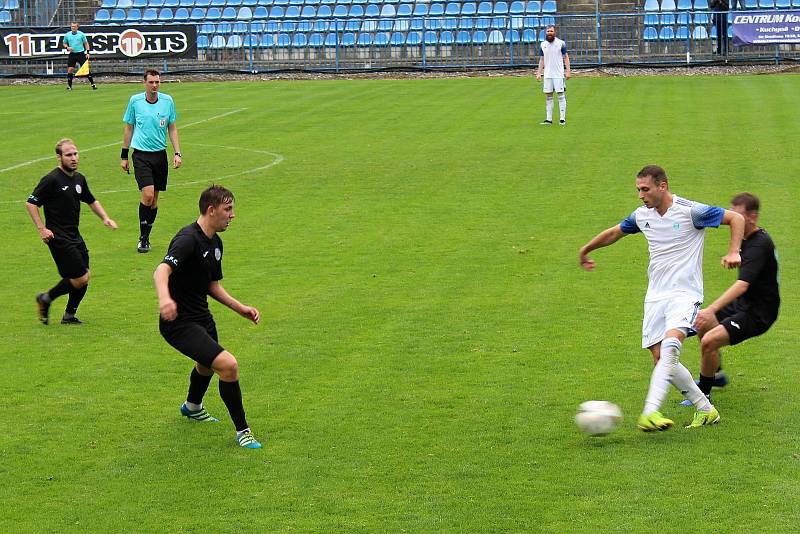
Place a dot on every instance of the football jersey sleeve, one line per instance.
(704, 216)
(86, 194)
(130, 113)
(42, 191)
(180, 249)
(173, 116)
(629, 226)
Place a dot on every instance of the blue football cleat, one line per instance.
(687, 403)
(200, 415)
(720, 380)
(247, 440)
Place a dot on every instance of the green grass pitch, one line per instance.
(427, 333)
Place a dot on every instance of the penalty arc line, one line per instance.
(37, 160)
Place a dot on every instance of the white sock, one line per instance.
(192, 406)
(562, 105)
(240, 432)
(682, 379)
(662, 375)
(549, 107)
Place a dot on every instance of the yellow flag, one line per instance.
(84, 70)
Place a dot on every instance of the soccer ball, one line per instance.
(598, 418)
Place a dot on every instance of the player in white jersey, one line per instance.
(674, 228)
(554, 64)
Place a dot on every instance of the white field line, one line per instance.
(52, 156)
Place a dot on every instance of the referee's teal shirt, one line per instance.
(150, 121)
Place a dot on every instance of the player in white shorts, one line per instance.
(675, 229)
(554, 65)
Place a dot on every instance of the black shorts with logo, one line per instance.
(71, 257)
(151, 168)
(76, 59)
(741, 324)
(195, 340)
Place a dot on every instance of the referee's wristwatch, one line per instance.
(179, 154)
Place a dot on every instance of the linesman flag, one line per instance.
(84, 70)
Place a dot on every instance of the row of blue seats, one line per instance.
(530, 6)
(367, 39)
(9, 5)
(197, 14)
(670, 19)
(416, 24)
(682, 33)
(699, 5)
(5, 17)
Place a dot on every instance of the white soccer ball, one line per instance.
(598, 418)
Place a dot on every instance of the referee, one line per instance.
(148, 119)
(77, 45)
(61, 193)
(749, 307)
(189, 272)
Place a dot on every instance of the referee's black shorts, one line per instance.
(71, 257)
(76, 59)
(196, 340)
(151, 168)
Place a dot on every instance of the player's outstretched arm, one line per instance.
(603, 239)
(219, 294)
(732, 259)
(97, 208)
(44, 232)
(166, 306)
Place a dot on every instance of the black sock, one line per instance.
(706, 383)
(144, 217)
(91, 80)
(75, 297)
(232, 397)
(152, 218)
(198, 385)
(61, 288)
(69, 79)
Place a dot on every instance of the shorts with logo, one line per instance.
(76, 59)
(739, 324)
(557, 85)
(660, 316)
(196, 340)
(151, 168)
(71, 257)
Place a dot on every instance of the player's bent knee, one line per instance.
(226, 366)
(78, 283)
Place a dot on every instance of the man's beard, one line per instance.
(550, 38)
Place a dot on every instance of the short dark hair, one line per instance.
(655, 172)
(748, 200)
(61, 143)
(550, 26)
(151, 72)
(214, 196)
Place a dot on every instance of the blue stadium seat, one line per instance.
(348, 40)
(124, 4)
(198, 14)
(766, 4)
(468, 9)
(650, 19)
(501, 8)
(667, 19)
(450, 23)
(436, 10)
(795, 3)
(299, 40)
(512, 36)
(316, 40)
(517, 8)
(700, 5)
(429, 38)
(666, 34)
(102, 15)
(650, 33)
(169, 3)
(224, 28)
(413, 39)
(533, 7)
(699, 33)
(435, 23)
(517, 22)
(479, 37)
(701, 18)
(685, 5)
(321, 25)
(531, 22)
(233, 3)
(547, 20)
(182, 3)
(141, 4)
(234, 41)
(288, 26)
(240, 27)
(388, 11)
(276, 12)
(463, 38)
(368, 26)
(202, 42)
(467, 23)
(453, 8)
(783, 4)
(667, 5)
(404, 10)
(305, 25)
(181, 15)
(260, 12)
(282, 3)
(332, 40)
(244, 13)
(446, 38)
(420, 10)
(150, 14)
(267, 40)
(250, 41)
(385, 25)
(485, 8)
(364, 39)
(397, 39)
(213, 14)
(118, 16)
(684, 19)
(202, 3)
(417, 24)
(682, 34)
(105, 4)
(495, 37)
(340, 11)
(529, 36)
(324, 12)
(549, 6)
(216, 3)
(372, 11)
(381, 39)
(308, 12)
(217, 42)
(651, 5)
(229, 13)
(499, 23)
(483, 23)
(292, 12)
(208, 28)
(352, 25)
(284, 40)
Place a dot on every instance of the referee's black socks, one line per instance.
(69, 79)
(147, 216)
(61, 288)
(76, 295)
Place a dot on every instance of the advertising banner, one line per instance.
(765, 27)
(106, 42)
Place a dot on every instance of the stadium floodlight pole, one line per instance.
(599, 32)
